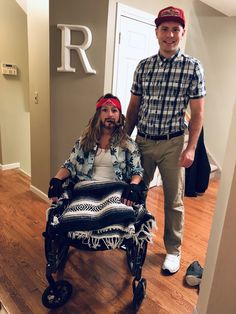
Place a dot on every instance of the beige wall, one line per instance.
(212, 38)
(217, 293)
(38, 39)
(14, 101)
(0, 145)
(73, 95)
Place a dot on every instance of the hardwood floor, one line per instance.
(101, 280)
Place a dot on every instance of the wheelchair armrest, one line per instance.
(57, 208)
(67, 186)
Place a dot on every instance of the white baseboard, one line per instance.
(3, 309)
(32, 188)
(10, 166)
(26, 173)
(213, 159)
(39, 193)
(15, 165)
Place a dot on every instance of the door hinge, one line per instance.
(119, 38)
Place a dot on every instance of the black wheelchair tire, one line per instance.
(57, 297)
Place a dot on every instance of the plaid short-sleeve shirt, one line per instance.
(165, 87)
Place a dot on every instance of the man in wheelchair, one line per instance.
(103, 206)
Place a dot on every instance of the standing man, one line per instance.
(163, 86)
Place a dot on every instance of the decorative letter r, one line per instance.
(66, 46)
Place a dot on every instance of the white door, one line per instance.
(136, 40)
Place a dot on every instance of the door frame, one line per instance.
(130, 12)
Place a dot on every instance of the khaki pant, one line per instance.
(165, 155)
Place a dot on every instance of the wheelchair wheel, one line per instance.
(53, 298)
(133, 253)
(139, 292)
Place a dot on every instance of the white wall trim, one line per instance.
(32, 188)
(214, 160)
(131, 12)
(39, 193)
(3, 309)
(10, 166)
(25, 173)
(15, 165)
(195, 311)
(23, 4)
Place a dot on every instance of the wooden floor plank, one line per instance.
(101, 280)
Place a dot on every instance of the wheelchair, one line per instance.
(61, 233)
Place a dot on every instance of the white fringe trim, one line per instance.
(94, 239)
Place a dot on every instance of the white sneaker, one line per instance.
(171, 263)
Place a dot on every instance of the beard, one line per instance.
(109, 124)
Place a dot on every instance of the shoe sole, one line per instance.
(166, 270)
(193, 280)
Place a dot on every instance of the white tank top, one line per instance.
(103, 169)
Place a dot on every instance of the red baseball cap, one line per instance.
(170, 14)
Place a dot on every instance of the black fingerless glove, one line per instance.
(55, 188)
(134, 193)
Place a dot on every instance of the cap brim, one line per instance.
(160, 20)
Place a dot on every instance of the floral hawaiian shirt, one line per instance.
(126, 162)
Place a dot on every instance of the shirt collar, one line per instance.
(163, 59)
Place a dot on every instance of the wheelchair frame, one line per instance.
(56, 251)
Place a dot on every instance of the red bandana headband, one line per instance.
(108, 101)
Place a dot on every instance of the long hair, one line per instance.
(93, 131)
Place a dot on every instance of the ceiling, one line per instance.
(227, 7)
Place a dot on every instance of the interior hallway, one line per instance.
(101, 280)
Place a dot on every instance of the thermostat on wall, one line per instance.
(9, 69)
